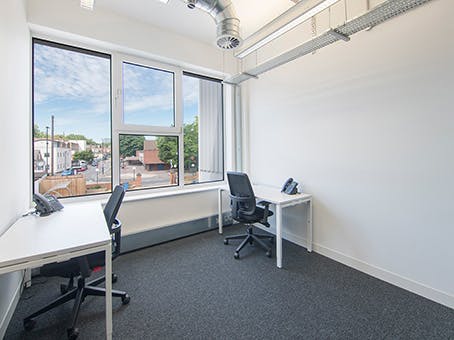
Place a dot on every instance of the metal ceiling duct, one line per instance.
(377, 15)
(223, 13)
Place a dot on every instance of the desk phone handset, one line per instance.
(290, 187)
(46, 204)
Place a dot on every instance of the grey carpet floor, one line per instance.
(193, 288)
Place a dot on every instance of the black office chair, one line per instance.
(82, 267)
(245, 210)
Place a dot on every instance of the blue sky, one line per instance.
(75, 88)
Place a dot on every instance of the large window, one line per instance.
(71, 117)
(166, 129)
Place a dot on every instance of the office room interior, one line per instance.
(360, 115)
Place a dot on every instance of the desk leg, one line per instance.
(108, 272)
(279, 236)
(28, 277)
(220, 210)
(309, 226)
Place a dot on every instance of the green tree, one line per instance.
(129, 144)
(168, 150)
(191, 143)
(73, 136)
(37, 133)
(86, 155)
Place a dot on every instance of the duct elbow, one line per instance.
(228, 25)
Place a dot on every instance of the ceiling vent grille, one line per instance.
(228, 24)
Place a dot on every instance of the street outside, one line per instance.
(155, 178)
(103, 175)
(128, 173)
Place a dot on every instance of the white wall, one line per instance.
(368, 128)
(153, 213)
(15, 134)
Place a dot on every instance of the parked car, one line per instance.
(69, 172)
(79, 165)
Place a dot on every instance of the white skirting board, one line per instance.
(6, 318)
(379, 273)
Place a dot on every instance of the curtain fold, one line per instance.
(210, 131)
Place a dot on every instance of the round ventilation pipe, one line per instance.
(228, 24)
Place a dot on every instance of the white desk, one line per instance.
(78, 229)
(280, 201)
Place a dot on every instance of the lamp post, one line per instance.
(97, 175)
(134, 173)
(52, 146)
(47, 150)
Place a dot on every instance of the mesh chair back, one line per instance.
(113, 205)
(241, 194)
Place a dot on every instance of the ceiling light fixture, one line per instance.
(87, 4)
(287, 27)
(164, 1)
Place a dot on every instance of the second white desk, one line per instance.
(279, 201)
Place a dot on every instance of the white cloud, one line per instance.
(147, 88)
(70, 75)
(156, 102)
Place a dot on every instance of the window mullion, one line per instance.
(117, 115)
(179, 123)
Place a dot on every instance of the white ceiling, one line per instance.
(176, 17)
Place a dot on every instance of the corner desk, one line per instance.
(279, 200)
(79, 229)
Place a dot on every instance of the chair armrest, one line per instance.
(116, 226)
(237, 200)
(116, 238)
(264, 221)
(240, 198)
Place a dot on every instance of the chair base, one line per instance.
(79, 294)
(250, 238)
(64, 288)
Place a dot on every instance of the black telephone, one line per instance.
(290, 187)
(46, 204)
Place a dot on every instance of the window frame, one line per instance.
(151, 188)
(74, 47)
(204, 77)
(120, 127)
(117, 125)
(118, 60)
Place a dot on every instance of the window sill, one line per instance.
(132, 196)
(151, 194)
